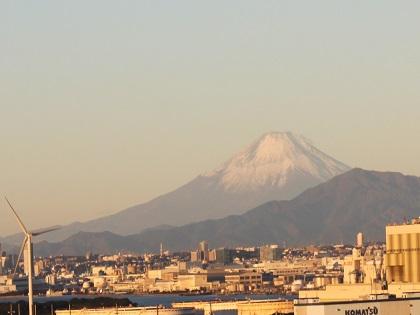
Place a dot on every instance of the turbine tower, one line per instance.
(27, 246)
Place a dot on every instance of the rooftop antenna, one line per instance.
(27, 246)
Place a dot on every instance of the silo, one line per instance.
(414, 262)
(396, 247)
(406, 254)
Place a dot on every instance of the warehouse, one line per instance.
(375, 305)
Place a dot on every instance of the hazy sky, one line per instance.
(105, 104)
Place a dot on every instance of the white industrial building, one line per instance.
(375, 305)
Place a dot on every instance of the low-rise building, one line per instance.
(192, 282)
(243, 281)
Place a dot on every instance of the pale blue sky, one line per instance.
(105, 104)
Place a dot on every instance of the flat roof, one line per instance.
(404, 228)
(391, 299)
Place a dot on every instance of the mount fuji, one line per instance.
(278, 161)
(277, 166)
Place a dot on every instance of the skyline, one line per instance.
(103, 110)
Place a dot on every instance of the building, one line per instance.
(38, 267)
(353, 267)
(7, 285)
(265, 307)
(402, 257)
(222, 256)
(375, 304)
(212, 255)
(102, 270)
(202, 254)
(167, 273)
(359, 239)
(243, 281)
(20, 284)
(196, 256)
(192, 282)
(364, 275)
(203, 247)
(241, 307)
(342, 292)
(270, 253)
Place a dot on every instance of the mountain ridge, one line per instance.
(331, 212)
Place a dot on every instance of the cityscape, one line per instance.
(209, 157)
(372, 275)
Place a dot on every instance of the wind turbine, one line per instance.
(27, 245)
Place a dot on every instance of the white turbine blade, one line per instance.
(22, 226)
(20, 255)
(44, 231)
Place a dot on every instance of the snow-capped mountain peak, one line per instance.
(273, 160)
(278, 166)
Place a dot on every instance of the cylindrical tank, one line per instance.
(389, 247)
(406, 256)
(414, 243)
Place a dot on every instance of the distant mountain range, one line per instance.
(277, 166)
(332, 212)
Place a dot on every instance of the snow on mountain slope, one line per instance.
(272, 159)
